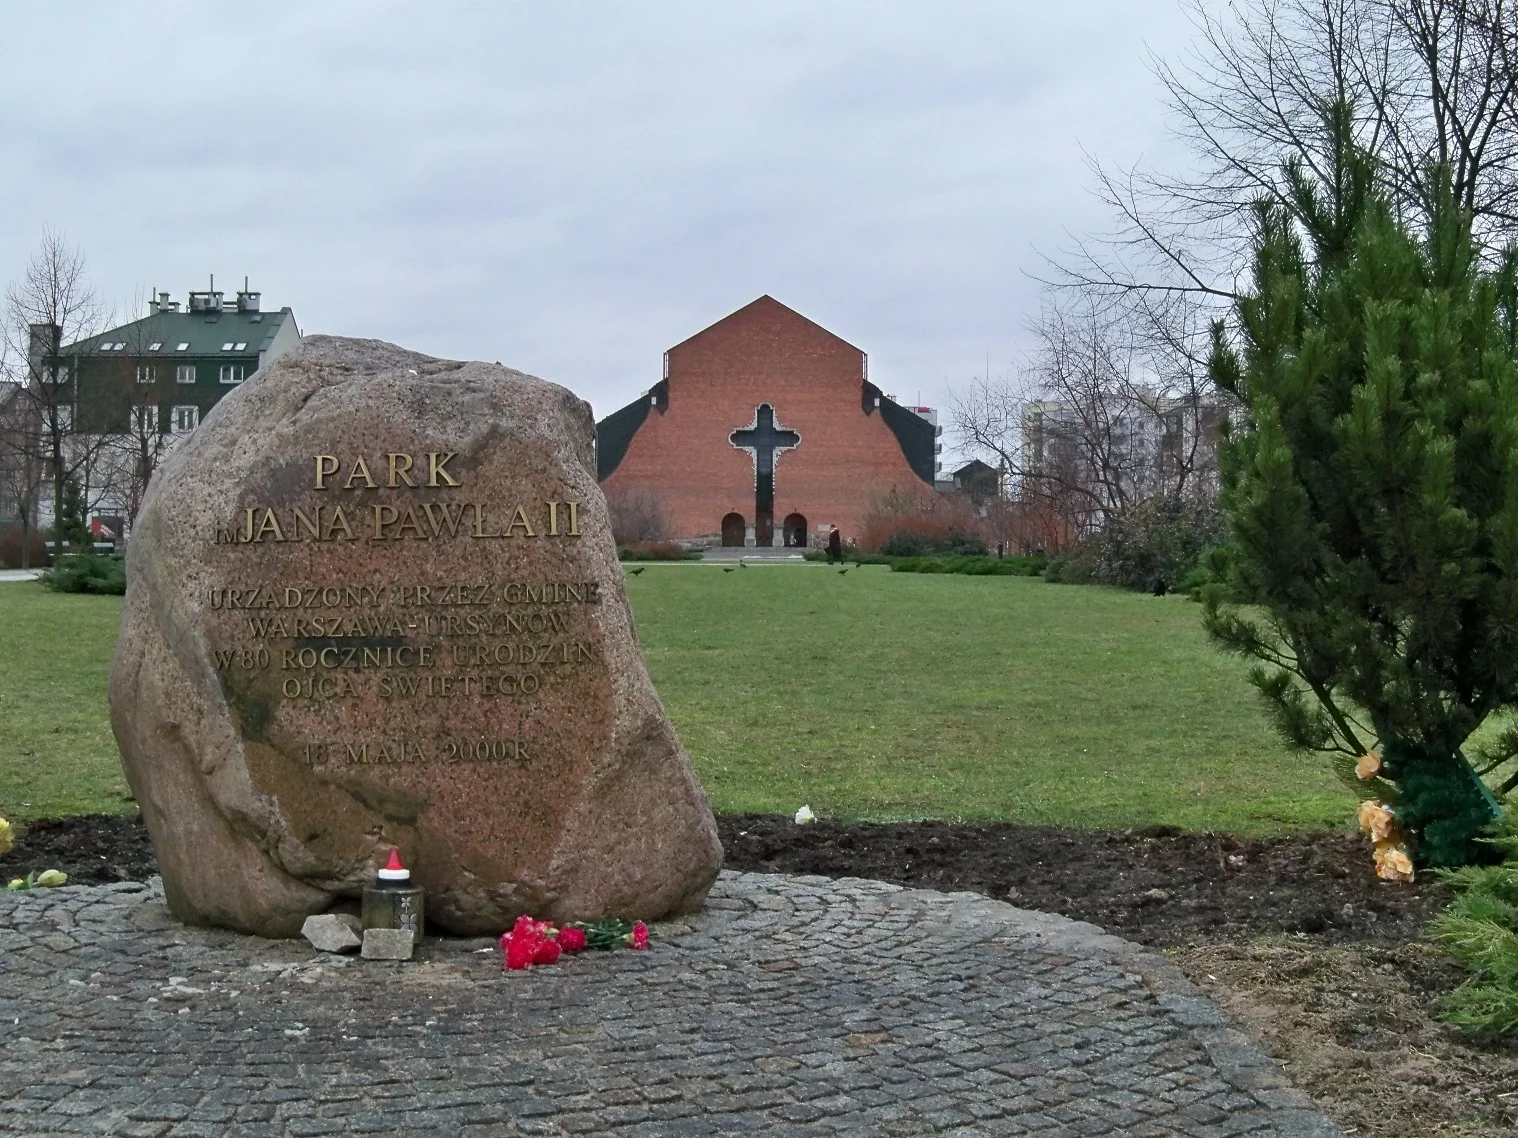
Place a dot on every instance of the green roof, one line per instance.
(203, 333)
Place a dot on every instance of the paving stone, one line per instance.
(389, 944)
(789, 1006)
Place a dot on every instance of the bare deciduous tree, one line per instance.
(636, 515)
(1429, 84)
(140, 377)
(21, 468)
(53, 304)
(1113, 407)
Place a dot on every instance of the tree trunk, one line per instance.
(58, 488)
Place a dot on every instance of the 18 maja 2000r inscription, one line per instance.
(393, 752)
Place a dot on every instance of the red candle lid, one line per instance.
(394, 870)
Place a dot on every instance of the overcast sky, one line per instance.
(572, 188)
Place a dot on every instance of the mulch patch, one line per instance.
(1159, 886)
(93, 849)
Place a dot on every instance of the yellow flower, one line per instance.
(1369, 765)
(6, 841)
(1377, 820)
(1392, 863)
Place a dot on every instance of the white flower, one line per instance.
(804, 816)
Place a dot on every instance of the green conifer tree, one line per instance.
(1371, 487)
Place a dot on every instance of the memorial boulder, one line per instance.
(374, 601)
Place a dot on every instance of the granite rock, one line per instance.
(374, 601)
(389, 944)
(332, 932)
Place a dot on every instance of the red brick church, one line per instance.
(766, 430)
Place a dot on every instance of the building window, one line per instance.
(145, 373)
(145, 419)
(242, 346)
(184, 373)
(227, 347)
(232, 373)
(155, 345)
(182, 347)
(186, 418)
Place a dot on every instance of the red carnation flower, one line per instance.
(639, 935)
(519, 952)
(547, 953)
(571, 939)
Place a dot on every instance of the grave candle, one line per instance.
(393, 902)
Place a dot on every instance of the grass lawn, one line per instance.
(869, 695)
(57, 755)
(900, 695)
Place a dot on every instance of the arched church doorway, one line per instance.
(795, 531)
(732, 529)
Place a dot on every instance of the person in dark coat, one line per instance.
(835, 546)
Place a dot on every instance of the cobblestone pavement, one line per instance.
(792, 1005)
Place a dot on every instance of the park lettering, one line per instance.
(385, 521)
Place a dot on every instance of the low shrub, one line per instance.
(906, 543)
(1480, 930)
(1155, 545)
(1194, 582)
(1030, 566)
(851, 556)
(656, 551)
(86, 573)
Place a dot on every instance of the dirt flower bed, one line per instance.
(1294, 937)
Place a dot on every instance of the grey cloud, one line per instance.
(572, 188)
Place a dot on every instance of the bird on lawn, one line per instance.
(742, 564)
(638, 570)
(727, 568)
(841, 572)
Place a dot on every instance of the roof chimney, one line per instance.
(247, 299)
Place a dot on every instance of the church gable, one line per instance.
(785, 327)
(765, 426)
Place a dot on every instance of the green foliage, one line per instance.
(906, 543)
(607, 933)
(1151, 547)
(86, 573)
(73, 526)
(1371, 490)
(1480, 930)
(1199, 578)
(973, 566)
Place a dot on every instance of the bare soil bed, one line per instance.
(1293, 936)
